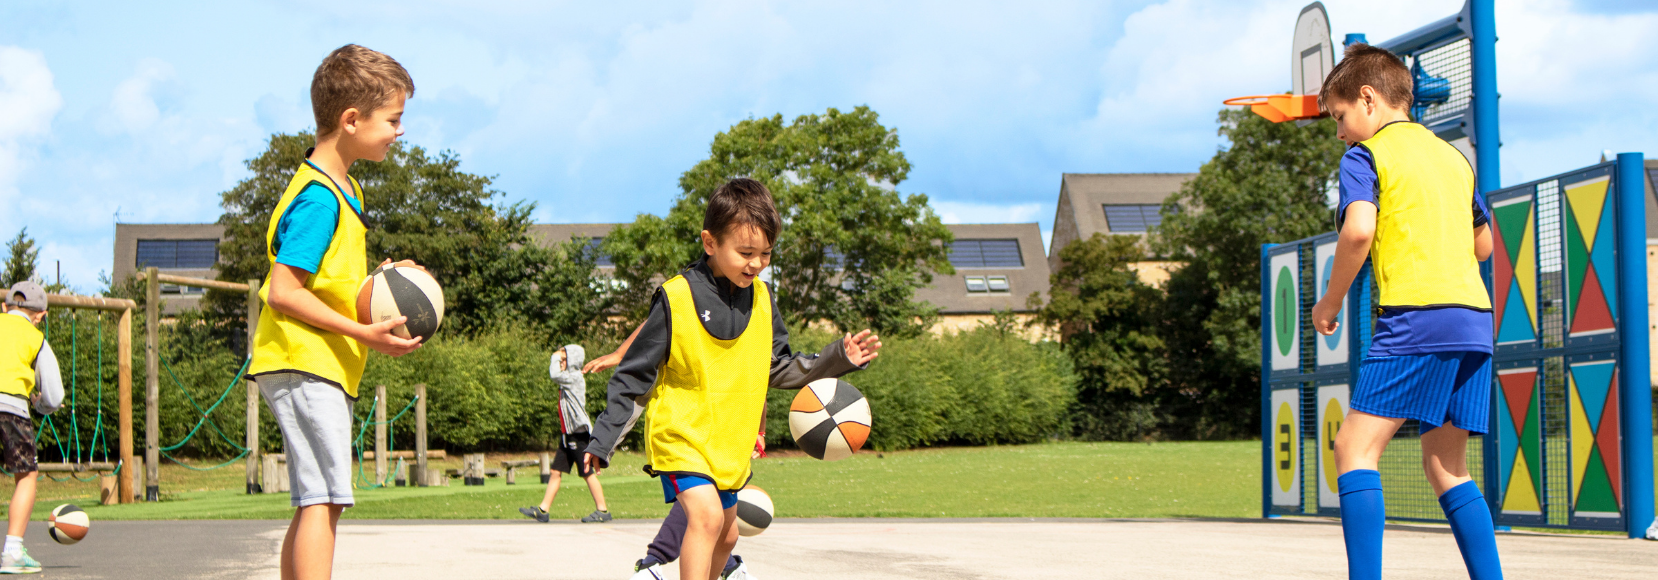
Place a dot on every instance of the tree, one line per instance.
(1107, 317)
(425, 208)
(21, 260)
(852, 250)
(1268, 185)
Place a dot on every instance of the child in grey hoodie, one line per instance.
(574, 434)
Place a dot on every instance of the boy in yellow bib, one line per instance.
(1408, 203)
(711, 346)
(309, 349)
(28, 378)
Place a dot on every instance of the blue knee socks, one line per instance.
(1471, 524)
(1363, 514)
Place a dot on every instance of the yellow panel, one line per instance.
(1525, 268)
(1583, 438)
(1587, 199)
(1522, 495)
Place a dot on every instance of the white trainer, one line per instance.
(651, 572)
(1652, 530)
(740, 572)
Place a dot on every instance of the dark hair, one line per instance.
(1362, 65)
(742, 201)
(355, 77)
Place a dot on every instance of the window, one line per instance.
(178, 254)
(1132, 218)
(986, 254)
(991, 284)
(600, 259)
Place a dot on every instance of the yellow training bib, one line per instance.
(1423, 253)
(21, 344)
(705, 410)
(284, 344)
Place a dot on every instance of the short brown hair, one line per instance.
(1362, 65)
(353, 77)
(742, 201)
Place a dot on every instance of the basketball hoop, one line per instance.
(1280, 108)
(1311, 58)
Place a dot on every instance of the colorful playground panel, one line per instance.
(1558, 451)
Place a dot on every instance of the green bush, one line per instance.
(980, 387)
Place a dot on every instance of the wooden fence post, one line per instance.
(152, 387)
(420, 476)
(253, 392)
(379, 434)
(123, 385)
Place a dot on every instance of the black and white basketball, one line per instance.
(829, 419)
(392, 291)
(754, 511)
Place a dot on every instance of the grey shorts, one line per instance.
(315, 417)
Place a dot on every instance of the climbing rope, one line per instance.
(362, 480)
(206, 418)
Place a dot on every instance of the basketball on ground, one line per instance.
(829, 419)
(392, 291)
(754, 511)
(67, 524)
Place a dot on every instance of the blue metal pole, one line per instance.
(1266, 382)
(1635, 392)
(1487, 170)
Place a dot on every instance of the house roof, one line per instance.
(949, 292)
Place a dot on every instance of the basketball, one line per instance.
(754, 511)
(68, 524)
(392, 291)
(829, 419)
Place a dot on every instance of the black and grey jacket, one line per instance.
(724, 310)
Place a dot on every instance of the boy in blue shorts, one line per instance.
(1408, 203)
(309, 350)
(711, 345)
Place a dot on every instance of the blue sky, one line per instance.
(593, 111)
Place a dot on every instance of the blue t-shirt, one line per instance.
(303, 235)
(1403, 331)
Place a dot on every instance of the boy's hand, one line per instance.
(378, 336)
(402, 264)
(590, 463)
(1326, 315)
(759, 448)
(603, 363)
(861, 348)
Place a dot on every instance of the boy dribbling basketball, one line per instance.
(1408, 202)
(712, 344)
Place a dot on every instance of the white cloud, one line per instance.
(28, 102)
(133, 102)
(956, 212)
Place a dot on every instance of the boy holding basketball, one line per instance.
(309, 349)
(704, 355)
(1408, 203)
(28, 378)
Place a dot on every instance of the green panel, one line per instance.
(1577, 262)
(1530, 443)
(1596, 495)
(1511, 222)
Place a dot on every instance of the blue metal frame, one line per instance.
(1266, 385)
(1635, 404)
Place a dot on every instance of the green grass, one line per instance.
(1044, 480)
(1113, 480)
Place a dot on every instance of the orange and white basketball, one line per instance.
(67, 524)
(829, 419)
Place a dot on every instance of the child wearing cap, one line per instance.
(28, 377)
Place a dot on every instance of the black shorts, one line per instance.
(569, 452)
(17, 444)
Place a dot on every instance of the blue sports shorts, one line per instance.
(673, 484)
(1434, 388)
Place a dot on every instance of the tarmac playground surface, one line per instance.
(802, 549)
